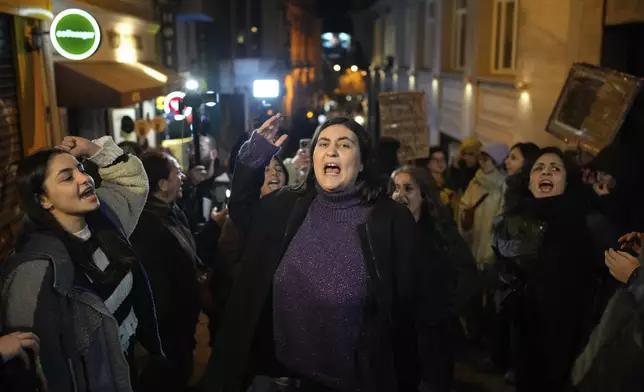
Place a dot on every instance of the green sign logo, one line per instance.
(75, 34)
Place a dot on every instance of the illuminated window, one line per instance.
(459, 34)
(504, 35)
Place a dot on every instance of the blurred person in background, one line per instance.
(166, 245)
(464, 166)
(437, 166)
(414, 188)
(480, 204)
(199, 191)
(337, 250)
(517, 166)
(232, 243)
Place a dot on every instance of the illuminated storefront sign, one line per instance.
(75, 34)
(173, 105)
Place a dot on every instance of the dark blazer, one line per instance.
(407, 294)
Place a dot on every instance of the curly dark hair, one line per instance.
(519, 185)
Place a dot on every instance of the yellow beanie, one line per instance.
(471, 144)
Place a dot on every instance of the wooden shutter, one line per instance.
(10, 141)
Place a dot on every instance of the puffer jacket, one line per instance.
(80, 349)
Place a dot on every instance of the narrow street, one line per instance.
(467, 379)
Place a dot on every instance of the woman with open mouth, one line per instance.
(414, 188)
(549, 265)
(331, 295)
(231, 244)
(74, 279)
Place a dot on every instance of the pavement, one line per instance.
(466, 379)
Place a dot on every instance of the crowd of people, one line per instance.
(345, 268)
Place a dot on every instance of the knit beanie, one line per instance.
(471, 144)
(497, 151)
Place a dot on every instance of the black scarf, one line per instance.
(176, 222)
(109, 238)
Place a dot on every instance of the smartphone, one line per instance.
(305, 143)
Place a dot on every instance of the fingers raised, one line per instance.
(281, 140)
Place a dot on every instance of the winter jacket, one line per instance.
(409, 296)
(80, 348)
(548, 266)
(479, 238)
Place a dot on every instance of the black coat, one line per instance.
(407, 295)
(165, 245)
(552, 270)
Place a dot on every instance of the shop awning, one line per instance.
(109, 84)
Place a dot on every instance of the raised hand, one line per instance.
(79, 147)
(269, 129)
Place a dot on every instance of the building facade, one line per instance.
(269, 39)
(491, 69)
(27, 100)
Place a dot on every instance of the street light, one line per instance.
(192, 84)
(266, 88)
(337, 68)
(354, 68)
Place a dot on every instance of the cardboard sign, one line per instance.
(403, 116)
(592, 106)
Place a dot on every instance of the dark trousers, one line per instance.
(172, 375)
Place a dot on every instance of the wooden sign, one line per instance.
(403, 116)
(592, 106)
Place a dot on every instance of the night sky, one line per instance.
(336, 13)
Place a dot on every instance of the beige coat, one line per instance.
(479, 237)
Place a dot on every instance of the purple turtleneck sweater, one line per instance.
(320, 287)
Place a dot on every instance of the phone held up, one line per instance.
(305, 144)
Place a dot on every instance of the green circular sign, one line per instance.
(75, 34)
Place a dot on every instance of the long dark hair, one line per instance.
(369, 179)
(30, 179)
(517, 188)
(432, 210)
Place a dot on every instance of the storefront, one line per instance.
(26, 102)
(106, 71)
